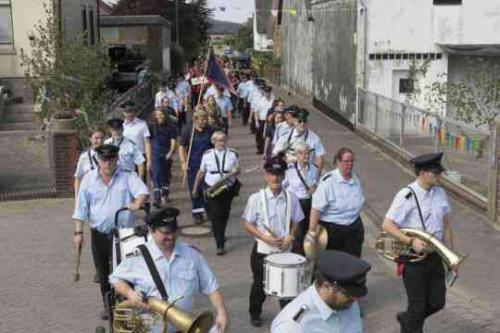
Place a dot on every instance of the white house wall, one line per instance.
(260, 41)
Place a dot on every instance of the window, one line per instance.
(84, 23)
(405, 86)
(5, 22)
(447, 2)
(92, 26)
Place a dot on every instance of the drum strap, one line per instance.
(154, 271)
(288, 209)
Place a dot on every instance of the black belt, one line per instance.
(216, 172)
(353, 224)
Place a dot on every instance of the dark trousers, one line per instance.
(346, 238)
(257, 295)
(298, 246)
(252, 123)
(101, 252)
(219, 209)
(160, 173)
(259, 137)
(182, 120)
(194, 98)
(245, 112)
(226, 125)
(425, 287)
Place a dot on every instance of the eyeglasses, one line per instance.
(300, 121)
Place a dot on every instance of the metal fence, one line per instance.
(140, 94)
(416, 131)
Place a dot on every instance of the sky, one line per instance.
(227, 10)
(235, 10)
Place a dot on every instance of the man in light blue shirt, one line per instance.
(225, 106)
(102, 192)
(130, 156)
(329, 305)
(337, 204)
(183, 271)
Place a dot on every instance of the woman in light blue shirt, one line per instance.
(337, 204)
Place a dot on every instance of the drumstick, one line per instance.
(76, 276)
(269, 230)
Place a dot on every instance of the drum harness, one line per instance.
(267, 224)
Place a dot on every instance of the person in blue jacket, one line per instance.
(163, 143)
(193, 143)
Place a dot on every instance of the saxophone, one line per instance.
(219, 187)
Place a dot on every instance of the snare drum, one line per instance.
(284, 275)
(127, 245)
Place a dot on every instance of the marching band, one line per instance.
(298, 203)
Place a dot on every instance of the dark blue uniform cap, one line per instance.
(275, 165)
(128, 106)
(266, 88)
(165, 219)
(430, 162)
(107, 151)
(301, 114)
(115, 123)
(344, 270)
(292, 109)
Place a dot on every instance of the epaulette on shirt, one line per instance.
(194, 248)
(297, 317)
(325, 177)
(208, 151)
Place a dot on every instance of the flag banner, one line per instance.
(216, 75)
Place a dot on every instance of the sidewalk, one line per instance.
(478, 285)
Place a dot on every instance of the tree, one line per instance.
(65, 74)
(476, 100)
(193, 20)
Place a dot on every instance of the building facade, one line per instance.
(19, 17)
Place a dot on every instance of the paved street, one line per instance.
(38, 293)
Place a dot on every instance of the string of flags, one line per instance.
(448, 135)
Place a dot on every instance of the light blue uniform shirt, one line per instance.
(294, 184)
(183, 89)
(98, 203)
(186, 274)
(337, 200)
(86, 162)
(242, 89)
(224, 104)
(433, 203)
(318, 316)
(282, 129)
(286, 143)
(173, 98)
(250, 88)
(129, 155)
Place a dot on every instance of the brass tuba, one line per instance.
(311, 249)
(126, 321)
(393, 249)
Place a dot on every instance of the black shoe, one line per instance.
(256, 322)
(104, 315)
(197, 219)
(157, 205)
(96, 278)
(221, 251)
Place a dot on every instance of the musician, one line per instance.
(164, 142)
(337, 204)
(102, 192)
(274, 118)
(301, 178)
(88, 159)
(260, 111)
(242, 92)
(301, 132)
(137, 130)
(130, 154)
(199, 137)
(329, 305)
(217, 163)
(422, 205)
(225, 106)
(183, 271)
(271, 216)
(284, 128)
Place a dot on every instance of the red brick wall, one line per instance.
(64, 154)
